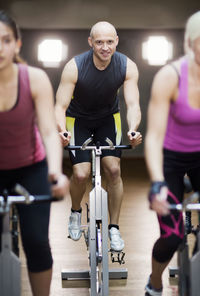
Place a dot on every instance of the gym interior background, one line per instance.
(135, 21)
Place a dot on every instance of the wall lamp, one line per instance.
(157, 50)
(51, 52)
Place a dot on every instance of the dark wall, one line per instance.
(130, 43)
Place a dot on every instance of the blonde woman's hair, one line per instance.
(192, 31)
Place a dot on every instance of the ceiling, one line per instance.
(82, 14)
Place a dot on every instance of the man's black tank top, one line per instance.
(96, 92)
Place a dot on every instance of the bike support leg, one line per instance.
(92, 244)
(105, 275)
(195, 271)
(184, 270)
(10, 267)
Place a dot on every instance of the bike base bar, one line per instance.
(121, 273)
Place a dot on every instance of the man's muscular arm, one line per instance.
(131, 96)
(63, 98)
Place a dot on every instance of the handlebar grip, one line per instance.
(123, 147)
(175, 207)
(66, 135)
(68, 147)
(54, 182)
(133, 134)
(45, 198)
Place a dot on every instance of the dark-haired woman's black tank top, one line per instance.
(96, 92)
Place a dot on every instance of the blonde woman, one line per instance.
(172, 146)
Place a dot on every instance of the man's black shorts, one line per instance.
(82, 129)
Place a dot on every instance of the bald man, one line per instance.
(87, 104)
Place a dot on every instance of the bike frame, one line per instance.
(10, 265)
(188, 268)
(97, 233)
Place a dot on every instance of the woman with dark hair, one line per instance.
(30, 150)
(172, 146)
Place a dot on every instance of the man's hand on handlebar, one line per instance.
(135, 138)
(65, 138)
(158, 198)
(59, 185)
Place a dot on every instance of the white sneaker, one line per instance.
(74, 226)
(116, 242)
(150, 291)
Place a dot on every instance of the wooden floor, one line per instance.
(138, 227)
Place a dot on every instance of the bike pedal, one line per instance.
(117, 256)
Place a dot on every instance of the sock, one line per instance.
(79, 211)
(151, 287)
(113, 225)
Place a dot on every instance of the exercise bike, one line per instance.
(188, 268)
(96, 232)
(10, 266)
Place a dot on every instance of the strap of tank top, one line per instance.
(24, 82)
(176, 70)
(184, 79)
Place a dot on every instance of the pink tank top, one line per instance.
(183, 128)
(20, 141)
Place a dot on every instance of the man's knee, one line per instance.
(113, 171)
(81, 176)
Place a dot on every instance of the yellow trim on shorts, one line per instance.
(118, 128)
(70, 121)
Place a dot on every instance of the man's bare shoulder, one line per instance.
(132, 69)
(70, 71)
(70, 65)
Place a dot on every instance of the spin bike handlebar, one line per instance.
(86, 146)
(189, 204)
(24, 196)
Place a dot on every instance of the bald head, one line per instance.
(103, 40)
(102, 27)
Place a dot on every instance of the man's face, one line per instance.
(104, 45)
